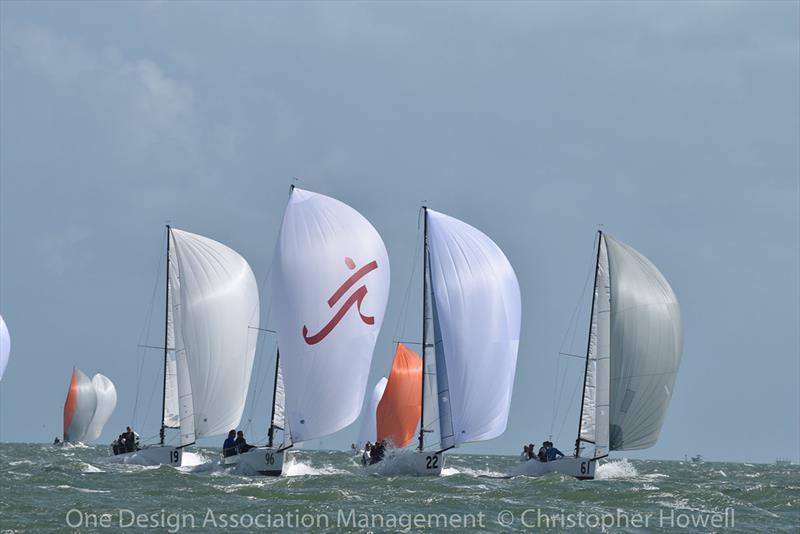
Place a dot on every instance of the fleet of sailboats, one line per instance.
(329, 290)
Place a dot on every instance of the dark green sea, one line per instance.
(48, 489)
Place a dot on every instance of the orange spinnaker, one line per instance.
(72, 401)
(399, 409)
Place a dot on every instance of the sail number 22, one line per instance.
(431, 462)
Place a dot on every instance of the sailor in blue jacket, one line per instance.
(552, 453)
(229, 447)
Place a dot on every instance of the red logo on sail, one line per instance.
(356, 298)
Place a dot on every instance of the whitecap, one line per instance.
(89, 468)
(296, 468)
(449, 471)
(616, 470)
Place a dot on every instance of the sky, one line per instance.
(675, 126)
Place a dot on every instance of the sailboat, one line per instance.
(5, 346)
(330, 285)
(470, 337)
(632, 358)
(393, 413)
(88, 407)
(211, 300)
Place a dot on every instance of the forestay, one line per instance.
(477, 311)
(214, 301)
(330, 284)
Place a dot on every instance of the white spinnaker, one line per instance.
(646, 344)
(213, 310)
(172, 415)
(5, 346)
(85, 400)
(106, 402)
(279, 408)
(330, 284)
(369, 422)
(478, 311)
(594, 415)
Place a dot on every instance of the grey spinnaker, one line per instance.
(646, 339)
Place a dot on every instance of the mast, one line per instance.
(424, 321)
(166, 349)
(589, 341)
(271, 431)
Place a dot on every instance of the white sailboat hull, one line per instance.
(152, 455)
(408, 463)
(580, 468)
(257, 461)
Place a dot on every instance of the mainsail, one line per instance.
(171, 415)
(5, 346)
(106, 402)
(79, 408)
(280, 401)
(330, 284)
(398, 410)
(368, 429)
(477, 314)
(635, 345)
(214, 300)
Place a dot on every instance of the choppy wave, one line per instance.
(765, 497)
(616, 469)
(297, 468)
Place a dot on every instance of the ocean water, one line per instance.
(50, 489)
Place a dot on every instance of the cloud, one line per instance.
(131, 99)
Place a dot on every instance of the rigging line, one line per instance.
(257, 394)
(144, 333)
(617, 379)
(403, 318)
(150, 402)
(581, 356)
(255, 378)
(557, 400)
(569, 408)
(572, 327)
